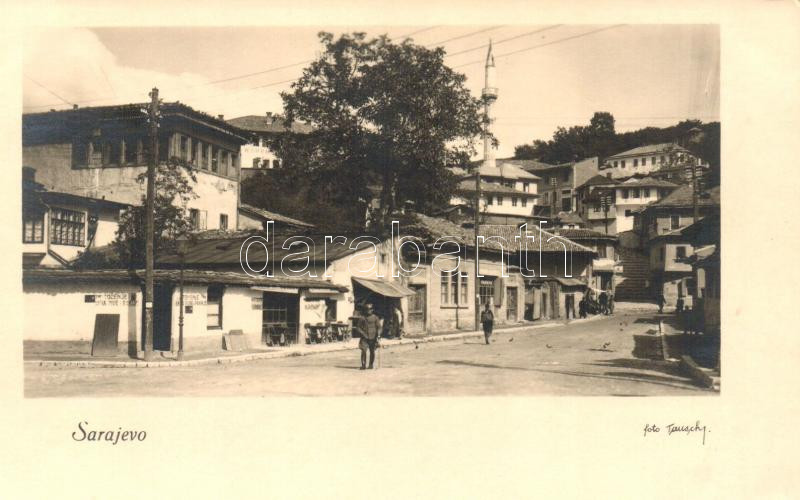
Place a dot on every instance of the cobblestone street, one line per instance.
(581, 358)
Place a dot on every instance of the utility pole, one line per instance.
(153, 116)
(605, 201)
(476, 226)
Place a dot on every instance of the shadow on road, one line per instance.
(626, 376)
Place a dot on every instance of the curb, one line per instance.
(288, 353)
(699, 375)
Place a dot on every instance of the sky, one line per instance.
(548, 75)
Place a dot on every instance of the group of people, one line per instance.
(603, 305)
(687, 315)
(372, 327)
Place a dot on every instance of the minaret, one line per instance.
(489, 95)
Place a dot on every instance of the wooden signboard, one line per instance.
(106, 334)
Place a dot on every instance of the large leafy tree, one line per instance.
(386, 115)
(174, 181)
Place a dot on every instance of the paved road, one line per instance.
(559, 360)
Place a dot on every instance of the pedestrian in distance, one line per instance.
(661, 303)
(582, 307)
(679, 306)
(603, 303)
(610, 303)
(369, 337)
(487, 320)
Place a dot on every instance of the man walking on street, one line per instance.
(369, 337)
(661, 302)
(487, 319)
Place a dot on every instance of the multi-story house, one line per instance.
(100, 152)
(508, 193)
(634, 194)
(256, 154)
(558, 182)
(595, 204)
(666, 161)
(659, 226)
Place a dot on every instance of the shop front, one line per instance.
(387, 299)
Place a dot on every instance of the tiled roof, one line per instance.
(579, 234)
(599, 180)
(226, 251)
(569, 218)
(267, 215)
(528, 165)
(435, 228)
(682, 197)
(162, 275)
(503, 168)
(269, 124)
(648, 182)
(648, 149)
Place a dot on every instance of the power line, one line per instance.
(504, 40)
(48, 90)
(554, 42)
(464, 36)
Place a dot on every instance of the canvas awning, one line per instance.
(385, 288)
(322, 292)
(570, 281)
(276, 289)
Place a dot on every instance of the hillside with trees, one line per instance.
(600, 139)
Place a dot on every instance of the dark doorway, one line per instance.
(162, 317)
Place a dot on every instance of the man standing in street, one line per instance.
(661, 302)
(369, 337)
(487, 319)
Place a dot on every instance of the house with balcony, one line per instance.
(100, 153)
(595, 204)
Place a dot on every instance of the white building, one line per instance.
(256, 155)
(101, 153)
(649, 159)
(634, 194)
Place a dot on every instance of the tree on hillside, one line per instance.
(386, 114)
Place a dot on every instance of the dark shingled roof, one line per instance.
(267, 215)
(579, 234)
(269, 124)
(682, 197)
(42, 275)
(649, 149)
(435, 228)
(599, 180)
(648, 182)
(529, 165)
(468, 186)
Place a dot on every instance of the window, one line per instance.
(645, 192)
(454, 288)
(635, 193)
(547, 198)
(623, 163)
(674, 222)
(225, 163)
(595, 208)
(214, 306)
(526, 187)
(489, 200)
(66, 227)
(653, 160)
(601, 251)
(625, 194)
(680, 252)
(132, 150)
(256, 162)
(661, 254)
(33, 228)
(214, 159)
(514, 201)
(662, 159)
(184, 150)
(616, 164)
(499, 200)
(197, 218)
(223, 221)
(644, 161)
(566, 203)
(276, 164)
(524, 201)
(628, 213)
(486, 290)
(566, 176)
(635, 162)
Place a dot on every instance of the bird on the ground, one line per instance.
(416, 346)
(548, 346)
(511, 339)
(605, 346)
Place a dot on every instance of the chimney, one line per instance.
(221, 117)
(74, 106)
